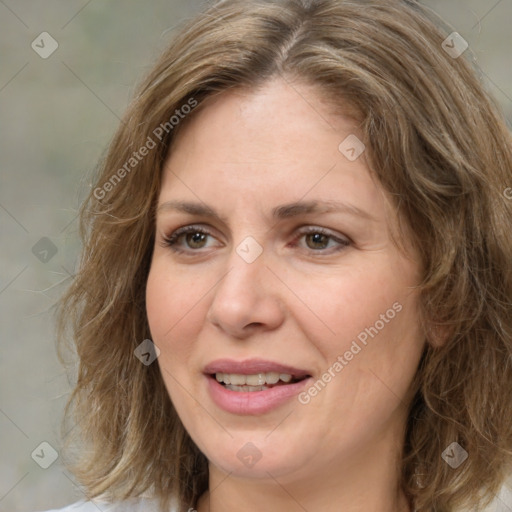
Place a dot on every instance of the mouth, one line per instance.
(253, 386)
(255, 382)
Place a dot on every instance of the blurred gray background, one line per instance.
(57, 114)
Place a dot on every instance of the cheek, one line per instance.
(172, 309)
(172, 304)
(376, 334)
(338, 306)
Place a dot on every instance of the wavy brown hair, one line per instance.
(436, 142)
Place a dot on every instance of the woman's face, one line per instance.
(287, 272)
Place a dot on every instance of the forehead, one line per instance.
(281, 135)
(268, 113)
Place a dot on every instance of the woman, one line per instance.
(295, 289)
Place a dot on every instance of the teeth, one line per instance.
(237, 380)
(254, 381)
(245, 388)
(272, 377)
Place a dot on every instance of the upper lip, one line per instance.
(252, 367)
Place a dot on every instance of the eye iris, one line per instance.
(317, 238)
(195, 239)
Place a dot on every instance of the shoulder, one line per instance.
(140, 505)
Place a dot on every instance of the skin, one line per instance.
(301, 302)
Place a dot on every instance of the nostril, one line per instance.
(255, 324)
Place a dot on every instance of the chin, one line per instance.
(259, 455)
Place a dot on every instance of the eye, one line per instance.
(190, 239)
(194, 237)
(318, 239)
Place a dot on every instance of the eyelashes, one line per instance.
(321, 237)
(195, 238)
(172, 240)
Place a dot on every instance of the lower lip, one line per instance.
(253, 402)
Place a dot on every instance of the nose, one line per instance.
(247, 299)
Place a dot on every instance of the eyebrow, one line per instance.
(284, 211)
